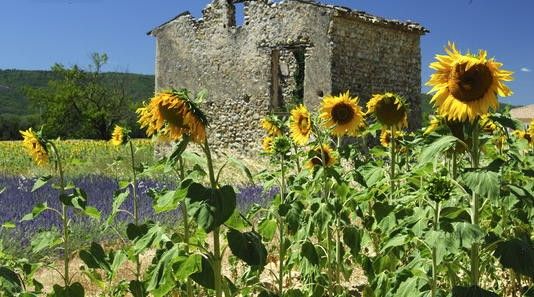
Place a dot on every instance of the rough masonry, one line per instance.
(284, 53)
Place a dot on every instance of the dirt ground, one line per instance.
(48, 277)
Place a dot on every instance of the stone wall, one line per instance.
(249, 70)
(234, 63)
(370, 59)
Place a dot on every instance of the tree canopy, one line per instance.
(84, 103)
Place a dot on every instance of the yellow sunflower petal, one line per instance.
(342, 114)
(35, 146)
(300, 125)
(175, 114)
(389, 109)
(465, 86)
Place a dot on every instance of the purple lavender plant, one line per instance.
(248, 196)
(18, 200)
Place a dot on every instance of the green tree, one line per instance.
(80, 103)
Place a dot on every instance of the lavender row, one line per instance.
(18, 200)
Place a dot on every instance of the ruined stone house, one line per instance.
(282, 54)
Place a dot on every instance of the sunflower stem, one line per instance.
(325, 192)
(135, 208)
(281, 228)
(217, 277)
(392, 156)
(338, 257)
(295, 149)
(434, 251)
(475, 207)
(64, 217)
(189, 287)
(454, 164)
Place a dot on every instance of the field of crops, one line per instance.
(82, 157)
(445, 210)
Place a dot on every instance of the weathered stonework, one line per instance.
(253, 69)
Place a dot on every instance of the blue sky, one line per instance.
(38, 33)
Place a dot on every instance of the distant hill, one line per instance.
(17, 113)
(12, 84)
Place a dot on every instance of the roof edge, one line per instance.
(151, 32)
(369, 18)
(343, 11)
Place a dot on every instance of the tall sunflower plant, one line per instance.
(324, 200)
(312, 202)
(101, 267)
(465, 88)
(285, 152)
(208, 210)
(72, 201)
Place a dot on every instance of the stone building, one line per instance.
(525, 114)
(284, 53)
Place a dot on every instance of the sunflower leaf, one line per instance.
(483, 182)
(474, 291)
(505, 121)
(517, 255)
(248, 247)
(468, 234)
(211, 207)
(40, 182)
(436, 148)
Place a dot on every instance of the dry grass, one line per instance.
(48, 276)
(268, 279)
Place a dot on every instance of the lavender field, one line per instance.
(18, 200)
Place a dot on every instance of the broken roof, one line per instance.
(369, 18)
(342, 11)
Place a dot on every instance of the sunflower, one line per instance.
(119, 136)
(35, 145)
(172, 112)
(466, 86)
(523, 134)
(487, 124)
(385, 137)
(435, 123)
(499, 141)
(281, 145)
(267, 144)
(531, 128)
(342, 114)
(270, 125)
(300, 124)
(389, 109)
(316, 156)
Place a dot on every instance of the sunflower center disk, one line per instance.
(173, 116)
(387, 139)
(304, 124)
(317, 159)
(342, 113)
(389, 113)
(470, 85)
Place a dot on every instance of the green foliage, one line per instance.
(450, 222)
(473, 291)
(23, 94)
(211, 207)
(518, 255)
(248, 247)
(81, 103)
(74, 290)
